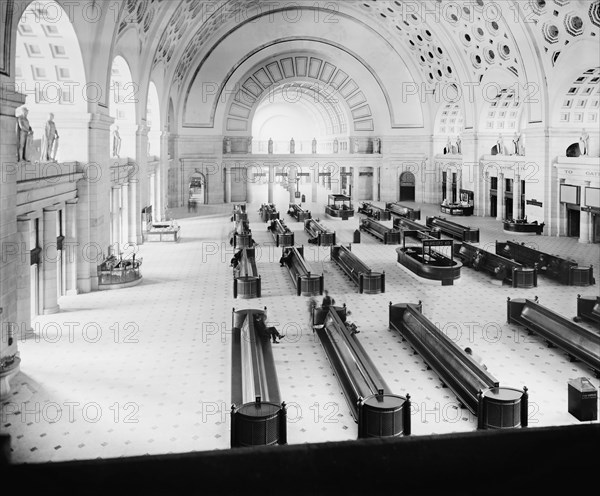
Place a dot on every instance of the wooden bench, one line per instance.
(242, 235)
(588, 308)
(497, 266)
(258, 416)
(415, 230)
(282, 234)
(523, 227)
(298, 213)
(559, 269)
(246, 281)
(579, 343)
(319, 234)
(307, 284)
(402, 211)
(378, 412)
(239, 212)
(268, 212)
(374, 212)
(368, 282)
(454, 230)
(389, 236)
(476, 389)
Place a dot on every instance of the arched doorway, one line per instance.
(407, 186)
(197, 191)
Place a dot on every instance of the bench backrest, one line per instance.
(296, 263)
(350, 259)
(248, 263)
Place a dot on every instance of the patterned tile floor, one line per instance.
(146, 370)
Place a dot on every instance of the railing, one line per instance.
(378, 412)
(475, 387)
(368, 282)
(388, 235)
(258, 417)
(577, 341)
(114, 273)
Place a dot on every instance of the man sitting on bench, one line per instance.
(475, 357)
(264, 331)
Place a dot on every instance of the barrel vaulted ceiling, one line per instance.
(441, 42)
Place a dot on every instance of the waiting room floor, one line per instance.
(146, 370)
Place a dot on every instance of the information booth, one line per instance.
(339, 206)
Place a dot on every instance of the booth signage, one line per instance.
(534, 202)
(437, 242)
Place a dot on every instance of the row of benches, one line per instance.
(557, 268)
(298, 213)
(414, 229)
(477, 389)
(374, 211)
(282, 234)
(389, 236)
(307, 283)
(377, 412)
(368, 282)
(246, 281)
(402, 211)
(453, 229)
(319, 234)
(268, 212)
(498, 266)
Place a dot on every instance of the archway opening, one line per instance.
(300, 111)
(196, 191)
(49, 70)
(407, 186)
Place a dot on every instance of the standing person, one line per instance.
(327, 300)
(24, 132)
(49, 140)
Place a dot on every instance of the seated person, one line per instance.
(264, 331)
(327, 300)
(271, 225)
(286, 256)
(291, 209)
(313, 241)
(475, 357)
(235, 260)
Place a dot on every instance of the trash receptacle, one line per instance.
(356, 236)
(583, 399)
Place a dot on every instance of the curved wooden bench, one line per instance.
(402, 211)
(579, 343)
(389, 236)
(247, 282)
(522, 227)
(473, 385)
(368, 282)
(588, 308)
(258, 416)
(321, 235)
(454, 230)
(282, 234)
(298, 213)
(497, 266)
(374, 212)
(378, 412)
(557, 268)
(415, 230)
(307, 284)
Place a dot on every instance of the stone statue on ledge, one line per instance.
(116, 142)
(458, 145)
(500, 145)
(376, 145)
(270, 146)
(49, 141)
(227, 145)
(24, 134)
(517, 143)
(292, 146)
(584, 140)
(335, 145)
(314, 145)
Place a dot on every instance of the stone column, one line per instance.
(354, 179)
(124, 217)
(138, 186)
(49, 261)
(500, 197)
(227, 180)
(115, 213)
(271, 182)
(375, 183)
(25, 227)
(70, 246)
(162, 175)
(516, 213)
(585, 222)
(134, 217)
(449, 184)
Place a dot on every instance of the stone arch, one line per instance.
(406, 186)
(197, 189)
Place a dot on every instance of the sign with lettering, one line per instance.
(437, 242)
(325, 174)
(534, 202)
(281, 174)
(303, 174)
(345, 173)
(369, 174)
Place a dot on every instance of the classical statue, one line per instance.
(24, 133)
(292, 146)
(116, 142)
(448, 145)
(355, 141)
(458, 145)
(270, 146)
(49, 141)
(314, 145)
(249, 144)
(500, 145)
(516, 142)
(228, 145)
(584, 140)
(376, 145)
(335, 145)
